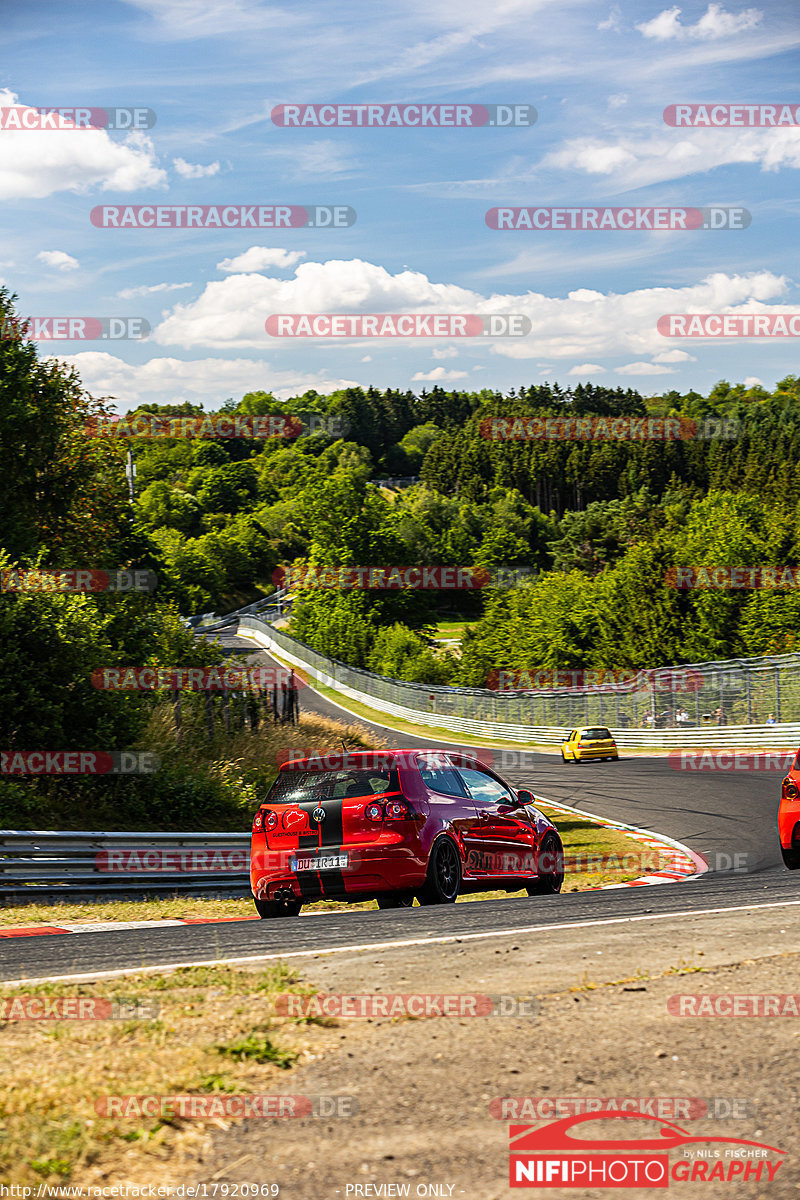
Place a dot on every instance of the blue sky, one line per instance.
(599, 75)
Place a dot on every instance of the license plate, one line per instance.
(320, 862)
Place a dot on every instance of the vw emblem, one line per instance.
(318, 815)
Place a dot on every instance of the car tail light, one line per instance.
(790, 789)
(374, 812)
(397, 810)
(258, 821)
(270, 820)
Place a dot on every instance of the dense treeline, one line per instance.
(599, 522)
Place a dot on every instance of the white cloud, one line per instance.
(618, 100)
(132, 293)
(753, 381)
(48, 161)
(446, 352)
(583, 325)
(673, 356)
(322, 159)
(586, 369)
(438, 375)
(640, 161)
(366, 358)
(208, 380)
(186, 19)
(232, 311)
(59, 260)
(643, 368)
(258, 258)
(716, 22)
(194, 170)
(613, 20)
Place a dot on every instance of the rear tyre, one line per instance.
(396, 900)
(277, 908)
(444, 874)
(551, 878)
(791, 857)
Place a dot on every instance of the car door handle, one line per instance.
(483, 815)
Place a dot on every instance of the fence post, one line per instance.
(778, 695)
(749, 696)
(226, 712)
(210, 715)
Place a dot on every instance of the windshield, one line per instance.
(595, 734)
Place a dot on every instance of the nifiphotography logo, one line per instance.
(554, 1157)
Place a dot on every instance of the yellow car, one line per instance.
(593, 742)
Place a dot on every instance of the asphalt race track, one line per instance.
(717, 814)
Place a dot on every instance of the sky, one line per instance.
(599, 76)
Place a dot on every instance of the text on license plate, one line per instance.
(320, 862)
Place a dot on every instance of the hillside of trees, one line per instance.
(597, 524)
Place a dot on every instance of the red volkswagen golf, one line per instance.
(394, 824)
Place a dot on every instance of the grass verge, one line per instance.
(200, 1031)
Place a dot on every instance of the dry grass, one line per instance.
(214, 1032)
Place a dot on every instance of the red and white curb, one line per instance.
(682, 863)
(114, 926)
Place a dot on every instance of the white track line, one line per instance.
(400, 942)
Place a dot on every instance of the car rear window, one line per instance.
(293, 787)
(595, 734)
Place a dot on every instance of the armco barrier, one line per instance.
(37, 864)
(498, 716)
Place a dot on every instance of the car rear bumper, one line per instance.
(596, 752)
(371, 870)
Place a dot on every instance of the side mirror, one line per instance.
(525, 797)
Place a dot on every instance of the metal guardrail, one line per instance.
(37, 864)
(523, 717)
(269, 607)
